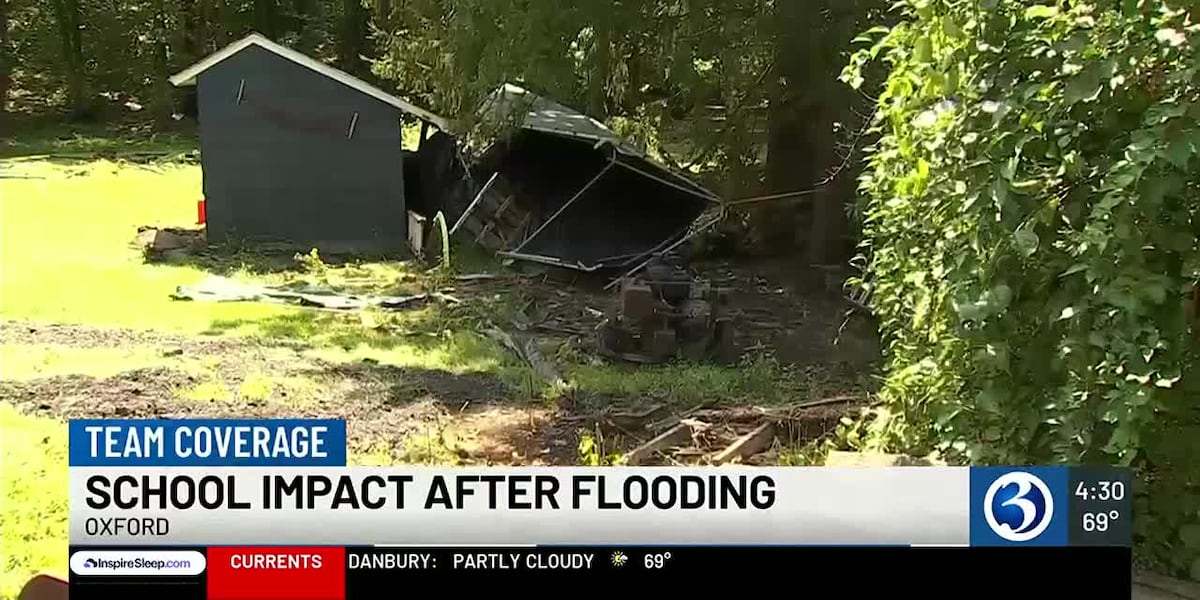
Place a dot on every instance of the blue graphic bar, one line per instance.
(207, 443)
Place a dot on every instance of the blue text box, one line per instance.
(207, 443)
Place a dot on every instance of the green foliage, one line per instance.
(1031, 237)
(690, 80)
(591, 451)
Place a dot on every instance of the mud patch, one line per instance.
(379, 417)
(84, 336)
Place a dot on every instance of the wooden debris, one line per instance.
(477, 277)
(526, 349)
(748, 445)
(1166, 587)
(874, 459)
(633, 420)
(677, 419)
(680, 434)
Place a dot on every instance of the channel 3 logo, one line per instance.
(1018, 506)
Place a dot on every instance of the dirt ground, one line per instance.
(795, 316)
(414, 415)
(383, 405)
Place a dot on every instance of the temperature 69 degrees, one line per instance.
(656, 560)
(1099, 521)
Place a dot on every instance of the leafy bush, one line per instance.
(1031, 242)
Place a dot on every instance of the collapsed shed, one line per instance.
(296, 151)
(562, 189)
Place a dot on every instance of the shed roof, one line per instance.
(548, 116)
(188, 75)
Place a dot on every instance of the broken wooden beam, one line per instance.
(526, 349)
(679, 434)
(748, 445)
(839, 458)
(633, 420)
(1153, 585)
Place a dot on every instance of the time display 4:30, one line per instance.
(1101, 490)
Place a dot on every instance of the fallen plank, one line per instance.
(527, 350)
(838, 458)
(1175, 587)
(748, 445)
(677, 435)
(477, 277)
(633, 420)
(677, 419)
(786, 413)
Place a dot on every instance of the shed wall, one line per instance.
(281, 163)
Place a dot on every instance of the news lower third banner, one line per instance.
(206, 483)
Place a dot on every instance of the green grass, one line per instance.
(67, 256)
(33, 512)
(36, 139)
(27, 361)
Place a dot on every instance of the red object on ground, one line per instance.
(201, 216)
(44, 587)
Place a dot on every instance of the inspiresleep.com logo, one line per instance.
(1015, 506)
(166, 563)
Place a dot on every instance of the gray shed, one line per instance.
(296, 151)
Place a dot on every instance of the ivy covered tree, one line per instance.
(1032, 241)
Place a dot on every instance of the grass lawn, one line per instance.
(33, 489)
(67, 256)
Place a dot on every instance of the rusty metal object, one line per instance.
(663, 314)
(44, 587)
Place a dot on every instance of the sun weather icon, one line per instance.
(1018, 506)
(619, 559)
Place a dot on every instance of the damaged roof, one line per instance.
(548, 116)
(188, 76)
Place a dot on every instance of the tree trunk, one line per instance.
(5, 60)
(354, 36)
(791, 150)
(164, 101)
(827, 244)
(801, 141)
(308, 25)
(383, 14)
(264, 18)
(203, 32)
(191, 24)
(601, 68)
(70, 31)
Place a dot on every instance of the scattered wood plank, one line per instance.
(677, 419)
(680, 434)
(875, 459)
(748, 445)
(526, 349)
(838, 458)
(633, 420)
(477, 277)
(1182, 589)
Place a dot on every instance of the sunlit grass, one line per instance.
(27, 361)
(33, 502)
(67, 252)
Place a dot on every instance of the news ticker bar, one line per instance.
(340, 573)
(341, 506)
